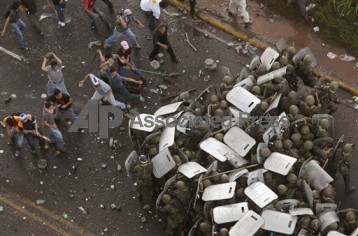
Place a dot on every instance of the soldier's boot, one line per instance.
(347, 185)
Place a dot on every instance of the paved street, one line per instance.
(79, 202)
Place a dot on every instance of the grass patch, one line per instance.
(337, 20)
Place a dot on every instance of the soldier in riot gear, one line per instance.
(296, 139)
(328, 194)
(176, 214)
(282, 191)
(322, 128)
(261, 70)
(304, 222)
(323, 149)
(294, 113)
(182, 193)
(289, 52)
(328, 98)
(196, 134)
(305, 71)
(224, 232)
(308, 107)
(205, 228)
(305, 132)
(287, 101)
(143, 171)
(350, 222)
(341, 164)
(228, 83)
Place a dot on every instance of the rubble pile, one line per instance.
(252, 156)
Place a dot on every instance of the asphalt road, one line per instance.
(91, 185)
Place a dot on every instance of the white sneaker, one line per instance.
(62, 24)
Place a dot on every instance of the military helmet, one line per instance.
(263, 106)
(328, 192)
(224, 178)
(333, 226)
(203, 126)
(189, 154)
(224, 232)
(324, 124)
(223, 104)
(281, 189)
(206, 183)
(228, 80)
(290, 69)
(219, 112)
(292, 178)
(333, 86)
(278, 144)
(180, 185)
(219, 136)
(177, 160)
(305, 129)
(309, 100)
(166, 198)
(268, 176)
(152, 151)
(315, 194)
(291, 50)
(350, 216)
(261, 69)
(214, 99)
(292, 95)
(308, 145)
(287, 144)
(347, 148)
(307, 60)
(215, 176)
(240, 193)
(205, 227)
(197, 111)
(278, 79)
(293, 110)
(315, 224)
(284, 60)
(296, 137)
(256, 89)
(305, 222)
(276, 65)
(265, 152)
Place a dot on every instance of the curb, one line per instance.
(231, 30)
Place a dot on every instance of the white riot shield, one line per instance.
(274, 103)
(248, 225)
(315, 175)
(133, 156)
(216, 148)
(335, 233)
(322, 207)
(308, 193)
(208, 206)
(255, 62)
(281, 44)
(162, 163)
(271, 75)
(303, 232)
(260, 159)
(268, 57)
(192, 230)
(213, 167)
(170, 182)
(316, 119)
(166, 138)
(184, 122)
(242, 99)
(255, 176)
(286, 204)
(279, 222)
(301, 54)
(143, 122)
(198, 188)
(219, 192)
(279, 163)
(245, 83)
(268, 135)
(230, 213)
(190, 169)
(233, 176)
(301, 211)
(239, 140)
(327, 218)
(280, 124)
(260, 194)
(236, 160)
(168, 109)
(342, 213)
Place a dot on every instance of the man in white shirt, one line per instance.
(151, 9)
(240, 5)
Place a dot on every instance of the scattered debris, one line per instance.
(345, 57)
(146, 207)
(143, 219)
(331, 55)
(119, 167)
(104, 166)
(1, 208)
(82, 209)
(187, 40)
(97, 43)
(64, 215)
(40, 201)
(316, 29)
(210, 64)
(155, 64)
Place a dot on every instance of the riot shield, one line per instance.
(183, 122)
(274, 103)
(323, 207)
(287, 204)
(279, 222)
(280, 123)
(166, 138)
(327, 218)
(335, 233)
(315, 175)
(133, 156)
(268, 135)
(260, 159)
(255, 176)
(239, 140)
(245, 83)
(279, 163)
(204, 93)
(216, 148)
(242, 99)
(271, 75)
(190, 169)
(213, 167)
(281, 44)
(316, 119)
(162, 163)
(301, 54)
(342, 213)
(268, 57)
(300, 211)
(233, 176)
(230, 213)
(260, 194)
(248, 225)
(255, 62)
(219, 192)
(168, 109)
(308, 193)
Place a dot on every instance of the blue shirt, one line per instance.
(116, 82)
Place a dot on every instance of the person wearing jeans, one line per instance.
(58, 6)
(49, 123)
(63, 103)
(94, 12)
(18, 26)
(31, 10)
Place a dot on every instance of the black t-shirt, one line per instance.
(56, 2)
(14, 16)
(125, 54)
(64, 100)
(159, 37)
(30, 5)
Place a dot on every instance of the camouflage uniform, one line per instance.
(328, 98)
(176, 212)
(323, 148)
(182, 193)
(305, 71)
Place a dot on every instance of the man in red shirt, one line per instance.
(94, 12)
